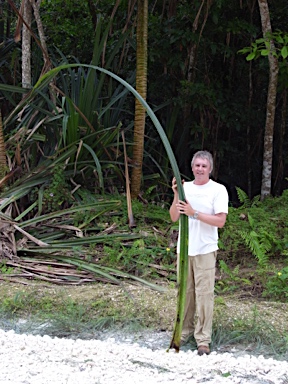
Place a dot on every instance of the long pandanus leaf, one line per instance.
(183, 257)
(182, 281)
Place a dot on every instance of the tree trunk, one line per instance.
(141, 87)
(251, 6)
(36, 7)
(26, 46)
(271, 103)
(47, 63)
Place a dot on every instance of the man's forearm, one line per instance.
(174, 212)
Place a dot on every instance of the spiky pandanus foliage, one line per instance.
(41, 84)
(7, 243)
(3, 163)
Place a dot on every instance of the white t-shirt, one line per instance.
(210, 198)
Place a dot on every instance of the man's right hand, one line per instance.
(174, 185)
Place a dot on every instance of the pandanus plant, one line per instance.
(183, 257)
(44, 82)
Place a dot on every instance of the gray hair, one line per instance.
(203, 155)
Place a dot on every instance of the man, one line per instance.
(206, 206)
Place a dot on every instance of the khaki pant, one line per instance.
(200, 296)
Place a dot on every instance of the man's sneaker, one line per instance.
(203, 350)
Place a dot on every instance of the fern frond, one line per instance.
(243, 197)
(256, 246)
(266, 240)
(251, 221)
(256, 199)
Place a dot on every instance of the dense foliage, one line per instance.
(199, 82)
(63, 149)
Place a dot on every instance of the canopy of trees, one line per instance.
(209, 81)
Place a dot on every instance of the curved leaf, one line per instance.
(42, 83)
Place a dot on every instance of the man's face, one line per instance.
(201, 170)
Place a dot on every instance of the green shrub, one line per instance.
(277, 285)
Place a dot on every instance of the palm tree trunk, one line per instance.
(141, 87)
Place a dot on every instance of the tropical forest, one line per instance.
(102, 103)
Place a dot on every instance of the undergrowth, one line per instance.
(253, 246)
(252, 263)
